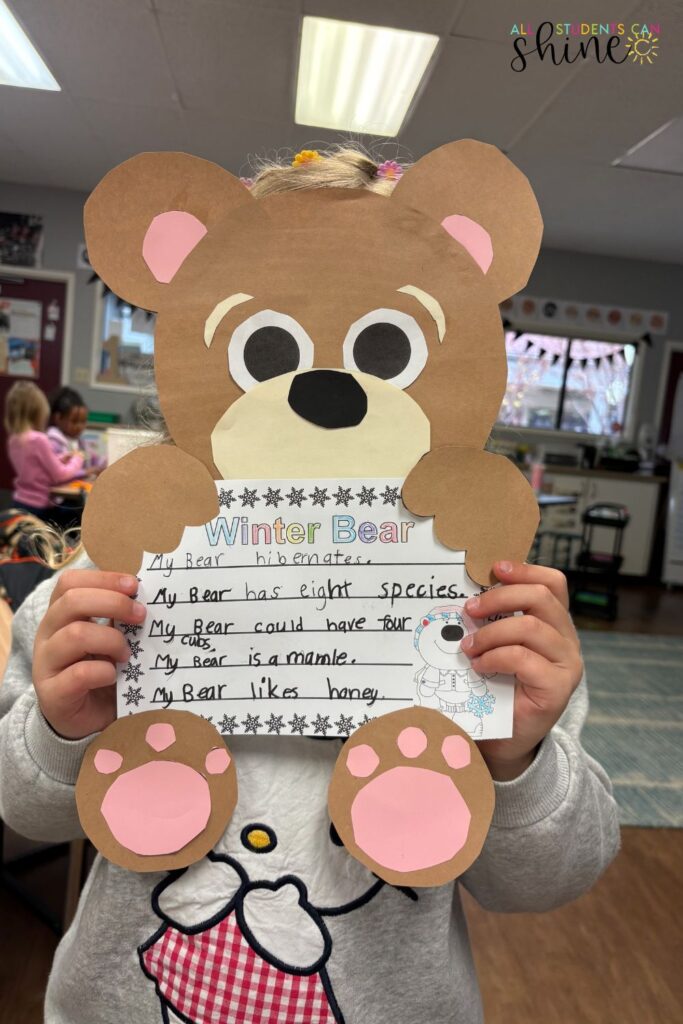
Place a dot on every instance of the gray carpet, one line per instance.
(635, 725)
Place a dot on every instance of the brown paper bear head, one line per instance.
(395, 299)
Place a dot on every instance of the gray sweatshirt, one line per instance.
(302, 934)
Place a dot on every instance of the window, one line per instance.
(124, 357)
(571, 384)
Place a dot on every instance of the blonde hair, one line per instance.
(342, 166)
(26, 408)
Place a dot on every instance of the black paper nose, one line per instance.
(328, 398)
(452, 633)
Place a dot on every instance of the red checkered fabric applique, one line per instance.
(215, 977)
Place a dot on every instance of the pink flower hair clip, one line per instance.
(247, 182)
(390, 170)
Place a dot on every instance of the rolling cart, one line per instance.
(595, 586)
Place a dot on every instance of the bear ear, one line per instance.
(485, 203)
(148, 214)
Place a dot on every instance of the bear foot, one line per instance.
(156, 790)
(411, 798)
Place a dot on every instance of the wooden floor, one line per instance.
(613, 957)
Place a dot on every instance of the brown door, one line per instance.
(32, 316)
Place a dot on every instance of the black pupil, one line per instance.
(452, 633)
(382, 349)
(270, 351)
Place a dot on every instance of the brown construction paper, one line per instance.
(128, 510)
(321, 261)
(477, 181)
(121, 210)
(195, 740)
(384, 738)
(481, 504)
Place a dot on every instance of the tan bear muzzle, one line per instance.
(320, 423)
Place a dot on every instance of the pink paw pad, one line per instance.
(107, 761)
(362, 761)
(412, 741)
(408, 817)
(160, 736)
(217, 761)
(456, 751)
(157, 808)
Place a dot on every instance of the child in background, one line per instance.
(38, 469)
(68, 417)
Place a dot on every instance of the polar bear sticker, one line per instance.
(447, 681)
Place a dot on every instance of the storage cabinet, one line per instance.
(639, 494)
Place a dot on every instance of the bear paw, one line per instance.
(412, 798)
(156, 790)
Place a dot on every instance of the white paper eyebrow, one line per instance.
(430, 304)
(219, 311)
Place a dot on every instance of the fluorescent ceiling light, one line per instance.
(20, 62)
(660, 151)
(359, 78)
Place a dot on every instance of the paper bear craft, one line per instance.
(322, 332)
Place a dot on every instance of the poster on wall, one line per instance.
(21, 239)
(20, 321)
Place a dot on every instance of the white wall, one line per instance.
(567, 275)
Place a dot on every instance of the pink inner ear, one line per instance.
(473, 236)
(170, 239)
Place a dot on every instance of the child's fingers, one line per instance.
(524, 630)
(79, 640)
(79, 679)
(93, 579)
(86, 604)
(532, 598)
(530, 668)
(521, 572)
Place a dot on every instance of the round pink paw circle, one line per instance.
(161, 806)
(409, 818)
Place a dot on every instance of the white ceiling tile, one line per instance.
(239, 61)
(607, 109)
(594, 208)
(490, 19)
(100, 51)
(188, 6)
(127, 130)
(434, 16)
(472, 93)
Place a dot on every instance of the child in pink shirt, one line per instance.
(37, 467)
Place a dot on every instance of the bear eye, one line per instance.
(267, 345)
(388, 344)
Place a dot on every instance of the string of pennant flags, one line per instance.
(559, 351)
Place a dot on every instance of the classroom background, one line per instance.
(593, 410)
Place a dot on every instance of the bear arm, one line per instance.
(481, 504)
(201, 892)
(143, 502)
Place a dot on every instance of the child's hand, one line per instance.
(74, 659)
(540, 648)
